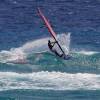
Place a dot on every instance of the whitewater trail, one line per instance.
(21, 53)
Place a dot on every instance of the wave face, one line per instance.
(49, 80)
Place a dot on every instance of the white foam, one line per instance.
(49, 80)
(12, 55)
(84, 52)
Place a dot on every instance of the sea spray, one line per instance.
(37, 46)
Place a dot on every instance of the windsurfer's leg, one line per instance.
(61, 55)
(56, 53)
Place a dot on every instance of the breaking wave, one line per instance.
(49, 80)
(60, 75)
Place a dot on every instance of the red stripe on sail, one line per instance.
(47, 24)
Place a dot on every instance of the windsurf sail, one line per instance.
(50, 29)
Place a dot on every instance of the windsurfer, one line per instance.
(50, 45)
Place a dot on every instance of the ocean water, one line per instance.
(28, 71)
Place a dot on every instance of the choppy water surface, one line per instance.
(27, 68)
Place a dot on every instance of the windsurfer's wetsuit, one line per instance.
(50, 45)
